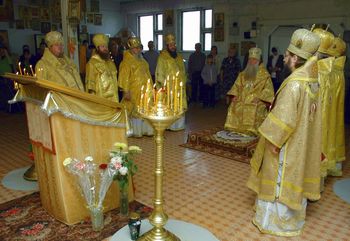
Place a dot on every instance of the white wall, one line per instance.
(269, 14)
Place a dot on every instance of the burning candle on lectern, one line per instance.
(31, 69)
(19, 68)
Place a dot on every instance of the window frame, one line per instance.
(202, 31)
(156, 32)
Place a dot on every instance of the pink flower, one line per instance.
(117, 165)
(80, 165)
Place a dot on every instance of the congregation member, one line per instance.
(217, 62)
(134, 73)
(250, 97)
(230, 68)
(151, 56)
(338, 50)
(27, 60)
(196, 63)
(275, 68)
(101, 73)
(209, 76)
(6, 85)
(55, 66)
(285, 168)
(116, 53)
(170, 66)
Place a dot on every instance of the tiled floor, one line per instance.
(198, 187)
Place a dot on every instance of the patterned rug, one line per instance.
(208, 141)
(25, 219)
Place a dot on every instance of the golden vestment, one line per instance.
(59, 70)
(133, 74)
(327, 93)
(243, 115)
(168, 66)
(101, 78)
(294, 123)
(338, 78)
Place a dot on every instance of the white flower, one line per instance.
(123, 171)
(117, 159)
(89, 159)
(67, 161)
(134, 149)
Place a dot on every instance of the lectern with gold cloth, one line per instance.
(65, 122)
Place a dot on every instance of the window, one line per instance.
(151, 28)
(197, 28)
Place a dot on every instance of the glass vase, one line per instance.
(97, 219)
(124, 200)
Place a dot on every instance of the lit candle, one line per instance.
(154, 94)
(141, 102)
(181, 96)
(178, 97)
(171, 99)
(158, 95)
(31, 69)
(167, 93)
(149, 99)
(19, 68)
(24, 71)
(17, 73)
(176, 100)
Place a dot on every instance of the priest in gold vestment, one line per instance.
(251, 95)
(55, 66)
(285, 167)
(337, 50)
(101, 73)
(170, 67)
(325, 66)
(133, 74)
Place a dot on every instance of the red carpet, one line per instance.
(25, 219)
(206, 141)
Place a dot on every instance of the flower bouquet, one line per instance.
(122, 160)
(94, 183)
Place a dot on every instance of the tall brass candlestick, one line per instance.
(160, 118)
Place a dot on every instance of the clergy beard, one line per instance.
(103, 55)
(286, 71)
(250, 71)
(173, 54)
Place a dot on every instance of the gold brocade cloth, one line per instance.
(294, 122)
(245, 115)
(82, 110)
(168, 67)
(133, 74)
(101, 78)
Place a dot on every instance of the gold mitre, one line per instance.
(326, 39)
(255, 53)
(100, 39)
(134, 42)
(304, 43)
(170, 38)
(337, 48)
(53, 37)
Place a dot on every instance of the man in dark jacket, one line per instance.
(275, 67)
